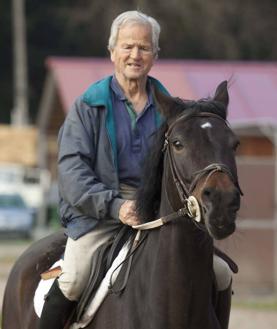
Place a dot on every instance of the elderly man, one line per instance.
(102, 144)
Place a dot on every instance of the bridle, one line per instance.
(185, 191)
(190, 204)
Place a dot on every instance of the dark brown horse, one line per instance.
(170, 285)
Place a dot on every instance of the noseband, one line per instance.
(190, 203)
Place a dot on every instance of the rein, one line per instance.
(191, 209)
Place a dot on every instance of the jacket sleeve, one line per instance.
(78, 184)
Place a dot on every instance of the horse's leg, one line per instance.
(223, 307)
(223, 276)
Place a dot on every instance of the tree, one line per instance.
(195, 29)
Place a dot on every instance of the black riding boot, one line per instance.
(56, 310)
(223, 307)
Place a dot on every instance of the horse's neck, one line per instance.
(184, 251)
(170, 283)
(178, 268)
(168, 193)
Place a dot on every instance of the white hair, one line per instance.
(135, 17)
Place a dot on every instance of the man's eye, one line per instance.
(147, 49)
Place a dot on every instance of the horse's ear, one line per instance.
(166, 104)
(221, 93)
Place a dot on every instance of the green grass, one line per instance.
(258, 304)
(7, 259)
(14, 241)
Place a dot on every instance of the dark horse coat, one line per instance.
(170, 285)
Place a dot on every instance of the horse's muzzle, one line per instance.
(219, 210)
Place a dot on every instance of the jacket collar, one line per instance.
(99, 95)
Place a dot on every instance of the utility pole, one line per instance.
(19, 115)
(275, 213)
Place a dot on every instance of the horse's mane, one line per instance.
(149, 193)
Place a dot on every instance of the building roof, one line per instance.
(252, 90)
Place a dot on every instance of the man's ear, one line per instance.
(221, 93)
(112, 55)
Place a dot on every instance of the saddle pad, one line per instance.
(45, 285)
(103, 289)
(43, 289)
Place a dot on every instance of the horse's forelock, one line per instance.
(212, 106)
(205, 105)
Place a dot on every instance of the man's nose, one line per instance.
(135, 53)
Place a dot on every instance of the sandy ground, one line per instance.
(241, 318)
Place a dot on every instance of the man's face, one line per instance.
(133, 54)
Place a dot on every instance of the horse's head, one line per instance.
(200, 159)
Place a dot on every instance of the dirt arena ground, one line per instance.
(242, 317)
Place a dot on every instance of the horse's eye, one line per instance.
(177, 144)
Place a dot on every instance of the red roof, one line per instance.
(253, 88)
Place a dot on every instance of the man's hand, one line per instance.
(127, 213)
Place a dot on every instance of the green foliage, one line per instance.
(5, 62)
(194, 29)
(53, 220)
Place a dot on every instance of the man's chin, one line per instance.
(135, 75)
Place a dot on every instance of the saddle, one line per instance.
(102, 260)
